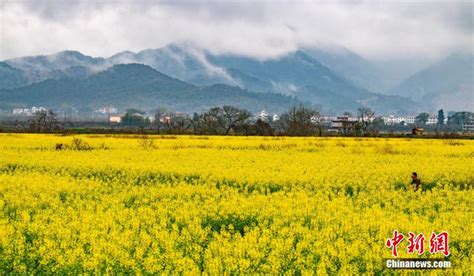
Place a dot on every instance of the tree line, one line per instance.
(299, 120)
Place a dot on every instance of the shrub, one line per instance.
(79, 144)
(146, 143)
(387, 149)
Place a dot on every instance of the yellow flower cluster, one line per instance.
(192, 204)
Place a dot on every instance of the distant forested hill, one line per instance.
(140, 86)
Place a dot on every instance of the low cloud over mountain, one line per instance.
(296, 74)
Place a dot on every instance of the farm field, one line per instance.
(218, 205)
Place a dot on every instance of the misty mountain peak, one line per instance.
(5, 65)
(124, 54)
(131, 68)
(70, 53)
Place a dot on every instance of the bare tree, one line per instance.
(179, 123)
(263, 128)
(209, 122)
(318, 123)
(233, 117)
(160, 118)
(365, 117)
(44, 121)
(347, 124)
(300, 120)
(281, 126)
(221, 120)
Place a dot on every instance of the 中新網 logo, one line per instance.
(438, 243)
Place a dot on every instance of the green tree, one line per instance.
(422, 118)
(441, 117)
(459, 118)
(134, 118)
(375, 125)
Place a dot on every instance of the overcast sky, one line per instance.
(372, 29)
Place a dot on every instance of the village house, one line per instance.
(395, 120)
(115, 119)
(343, 123)
(107, 110)
(262, 115)
(27, 111)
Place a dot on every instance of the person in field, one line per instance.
(415, 181)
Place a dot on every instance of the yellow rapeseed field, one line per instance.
(195, 204)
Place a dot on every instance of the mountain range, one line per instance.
(186, 79)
